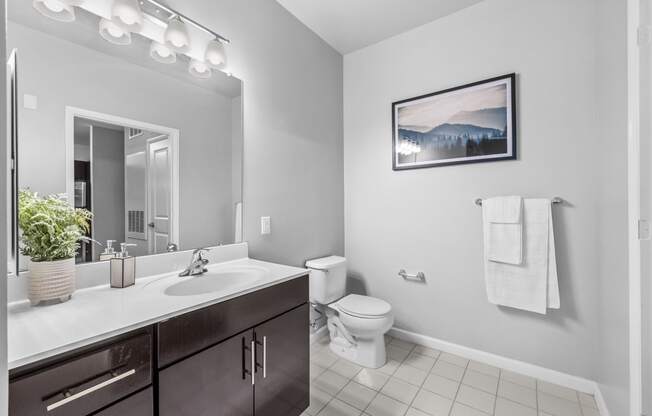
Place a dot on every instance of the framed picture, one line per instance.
(467, 124)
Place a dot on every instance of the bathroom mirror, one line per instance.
(152, 150)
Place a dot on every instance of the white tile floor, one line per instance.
(419, 381)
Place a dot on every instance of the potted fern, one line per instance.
(50, 233)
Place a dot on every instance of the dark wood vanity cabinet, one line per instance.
(219, 380)
(248, 356)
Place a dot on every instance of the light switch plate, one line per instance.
(643, 230)
(30, 102)
(265, 225)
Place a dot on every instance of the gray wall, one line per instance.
(425, 220)
(81, 77)
(292, 127)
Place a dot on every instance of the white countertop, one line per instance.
(99, 313)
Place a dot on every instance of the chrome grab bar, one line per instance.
(90, 390)
(421, 276)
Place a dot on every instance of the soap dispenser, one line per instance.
(108, 252)
(123, 268)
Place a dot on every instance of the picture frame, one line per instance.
(471, 123)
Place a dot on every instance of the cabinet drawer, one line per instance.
(82, 385)
(184, 335)
(140, 404)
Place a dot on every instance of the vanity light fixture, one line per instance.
(128, 14)
(176, 36)
(161, 53)
(114, 33)
(59, 10)
(215, 55)
(199, 69)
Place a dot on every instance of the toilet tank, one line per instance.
(327, 279)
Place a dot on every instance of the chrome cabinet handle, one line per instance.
(90, 390)
(264, 357)
(253, 363)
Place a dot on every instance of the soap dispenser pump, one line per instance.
(108, 252)
(123, 268)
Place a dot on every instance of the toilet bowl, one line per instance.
(356, 324)
(357, 331)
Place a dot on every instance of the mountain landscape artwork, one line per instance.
(467, 124)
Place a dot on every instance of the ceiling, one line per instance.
(349, 25)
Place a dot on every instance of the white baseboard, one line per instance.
(318, 334)
(538, 372)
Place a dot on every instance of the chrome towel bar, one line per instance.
(555, 200)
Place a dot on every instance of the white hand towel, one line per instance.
(504, 209)
(503, 221)
(532, 285)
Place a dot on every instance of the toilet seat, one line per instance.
(364, 306)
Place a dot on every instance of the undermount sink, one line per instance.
(217, 280)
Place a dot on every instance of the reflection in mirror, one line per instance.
(125, 173)
(152, 151)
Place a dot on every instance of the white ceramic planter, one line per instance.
(51, 280)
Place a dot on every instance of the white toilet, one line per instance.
(357, 324)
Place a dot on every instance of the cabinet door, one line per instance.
(283, 370)
(214, 382)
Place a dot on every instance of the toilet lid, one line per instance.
(364, 306)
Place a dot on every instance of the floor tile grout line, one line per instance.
(423, 382)
(333, 397)
(459, 386)
(496, 396)
(389, 376)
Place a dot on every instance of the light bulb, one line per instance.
(215, 55)
(127, 13)
(162, 53)
(176, 36)
(59, 10)
(54, 5)
(199, 69)
(114, 33)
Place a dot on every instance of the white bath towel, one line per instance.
(503, 222)
(533, 285)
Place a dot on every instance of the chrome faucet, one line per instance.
(197, 264)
